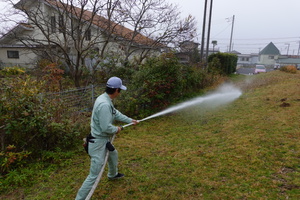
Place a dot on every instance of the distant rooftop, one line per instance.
(270, 49)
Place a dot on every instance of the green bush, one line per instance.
(154, 86)
(225, 62)
(12, 71)
(32, 122)
(159, 83)
(10, 159)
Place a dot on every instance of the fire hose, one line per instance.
(100, 173)
(104, 164)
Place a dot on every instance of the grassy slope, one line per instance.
(246, 150)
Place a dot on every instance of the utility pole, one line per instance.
(288, 48)
(208, 31)
(230, 45)
(203, 31)
(298, 49)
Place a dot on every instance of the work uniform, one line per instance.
(102, 130)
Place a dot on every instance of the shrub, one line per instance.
(53, 77)
(156, 84)
(159, 83)
(10, 159)
(32, 122)
(6, 71)
(289, 69)
(226, 62)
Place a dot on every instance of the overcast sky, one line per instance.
(256, 24)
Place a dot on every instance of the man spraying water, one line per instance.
(223, 95)
(99, 141)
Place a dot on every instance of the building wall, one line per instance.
(268, 60)
(247, 60)
(26, 58)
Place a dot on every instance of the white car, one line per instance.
(260, 69)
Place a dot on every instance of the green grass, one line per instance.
(248, 149)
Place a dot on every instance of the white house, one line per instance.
(269, 55)
(52, 31)
(247, 59)
(13, 53)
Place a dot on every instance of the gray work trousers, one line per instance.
(97, 151)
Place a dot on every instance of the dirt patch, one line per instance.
(284, 104)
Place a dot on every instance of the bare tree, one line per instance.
(59, 31)
(155, 19)
(81, 34)
(64, 32)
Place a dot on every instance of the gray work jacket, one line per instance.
(103, 116)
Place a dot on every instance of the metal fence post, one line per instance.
(92, 95)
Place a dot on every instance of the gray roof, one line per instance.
(288, 60)
(234, 52)
(270, 49)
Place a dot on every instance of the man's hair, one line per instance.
(109, 90)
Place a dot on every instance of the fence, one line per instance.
(71, 102)
(81, 99)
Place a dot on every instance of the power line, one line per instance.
(298, 38)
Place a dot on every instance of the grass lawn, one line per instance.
(248, 149)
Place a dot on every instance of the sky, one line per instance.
(256, 23)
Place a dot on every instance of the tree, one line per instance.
(62, 32)
(158, 20)
(214, 42)
(223, 62)
(82, 35)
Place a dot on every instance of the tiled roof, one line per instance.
(104, 24)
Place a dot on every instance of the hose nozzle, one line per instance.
(122, 127)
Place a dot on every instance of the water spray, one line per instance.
(223, 95)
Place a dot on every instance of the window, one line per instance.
(53, 24)
(88, 35)
(61, 24)
(245, 59)
(12, 54)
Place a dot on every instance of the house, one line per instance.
(269, 55)
(187, 52)
(246, 60)
(60, 31)
(287, 60)
(13, 53)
